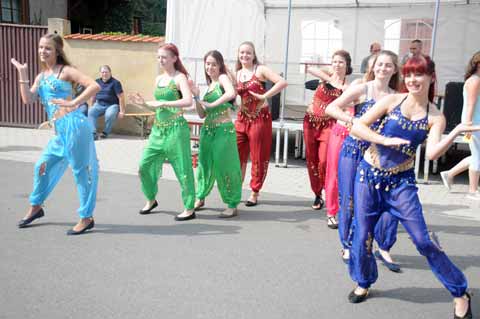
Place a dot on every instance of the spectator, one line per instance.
(110, 102)
(375, 47)
(415, 50)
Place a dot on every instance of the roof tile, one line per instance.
(123, 38)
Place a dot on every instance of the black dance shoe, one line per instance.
(354, 298)
(72, 232)
(148, 211)
(391, 266)
(468, 314)
(318, 203)
(181, 219)
(25, 222)
(250, 203)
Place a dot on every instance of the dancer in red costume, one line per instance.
(254, 121)
(317, 126)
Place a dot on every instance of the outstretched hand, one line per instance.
(257, 96)
(394, 141)
(63, 103)
(205, 104)
(20, 67)
(136, 98)
(467, 128)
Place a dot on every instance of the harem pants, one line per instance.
(218, 160)
(170, 141)
(73, 145)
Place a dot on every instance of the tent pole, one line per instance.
(434, 31)
(285, 67)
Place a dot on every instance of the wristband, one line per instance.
(196, 98)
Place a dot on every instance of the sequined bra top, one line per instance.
(396, 124)
(51, 87)
(218, 111)
(167, 93)
(249, 102)
(324, 95)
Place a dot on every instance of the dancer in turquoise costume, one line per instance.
(218, 158)
(73, 144)
(170, 136)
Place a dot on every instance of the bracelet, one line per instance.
(196, 98)
(23, 81)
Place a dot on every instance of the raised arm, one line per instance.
(361, 126)
(336, 109)
(227, 96)
(279, 82)
(182, 84)
(196, 96)
(73, 75)
(28, 94)
(322, 74)
(436, 145)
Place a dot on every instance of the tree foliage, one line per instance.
(152, 14)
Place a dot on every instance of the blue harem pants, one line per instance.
(385, 232)
(376, 192)
(72, 145)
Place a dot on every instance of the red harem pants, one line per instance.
(316, 141)
(254, 138)
(339, 133)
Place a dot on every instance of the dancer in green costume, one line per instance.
(218, 158)
(170, 136)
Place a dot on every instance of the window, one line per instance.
(11, 11)
(400, 32)
(319, 40)
(137, 25)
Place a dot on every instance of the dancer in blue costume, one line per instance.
(382, 79)
(73, 144)
(385, 179)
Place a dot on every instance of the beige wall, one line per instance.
(133, 64)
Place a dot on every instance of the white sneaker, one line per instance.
(473, 196)
(445, 181)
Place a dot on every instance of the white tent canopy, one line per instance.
(357, 3)
(197, 26)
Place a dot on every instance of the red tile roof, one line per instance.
(122, 38)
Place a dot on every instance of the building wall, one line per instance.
(41, 10)
(457, 38)
(134, 64)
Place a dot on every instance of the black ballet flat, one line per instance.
(468, 314)
(354, 298)
(318, 203)
(25, 222)
(250, 203)
(148, 211)
(72, 232)
(391, 266)
(181, 219)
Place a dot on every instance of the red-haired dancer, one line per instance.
(170, 136)
(317, 128)
(254, 121)
(385, 179)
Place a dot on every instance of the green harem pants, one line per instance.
(169, 140)
(218, 160)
